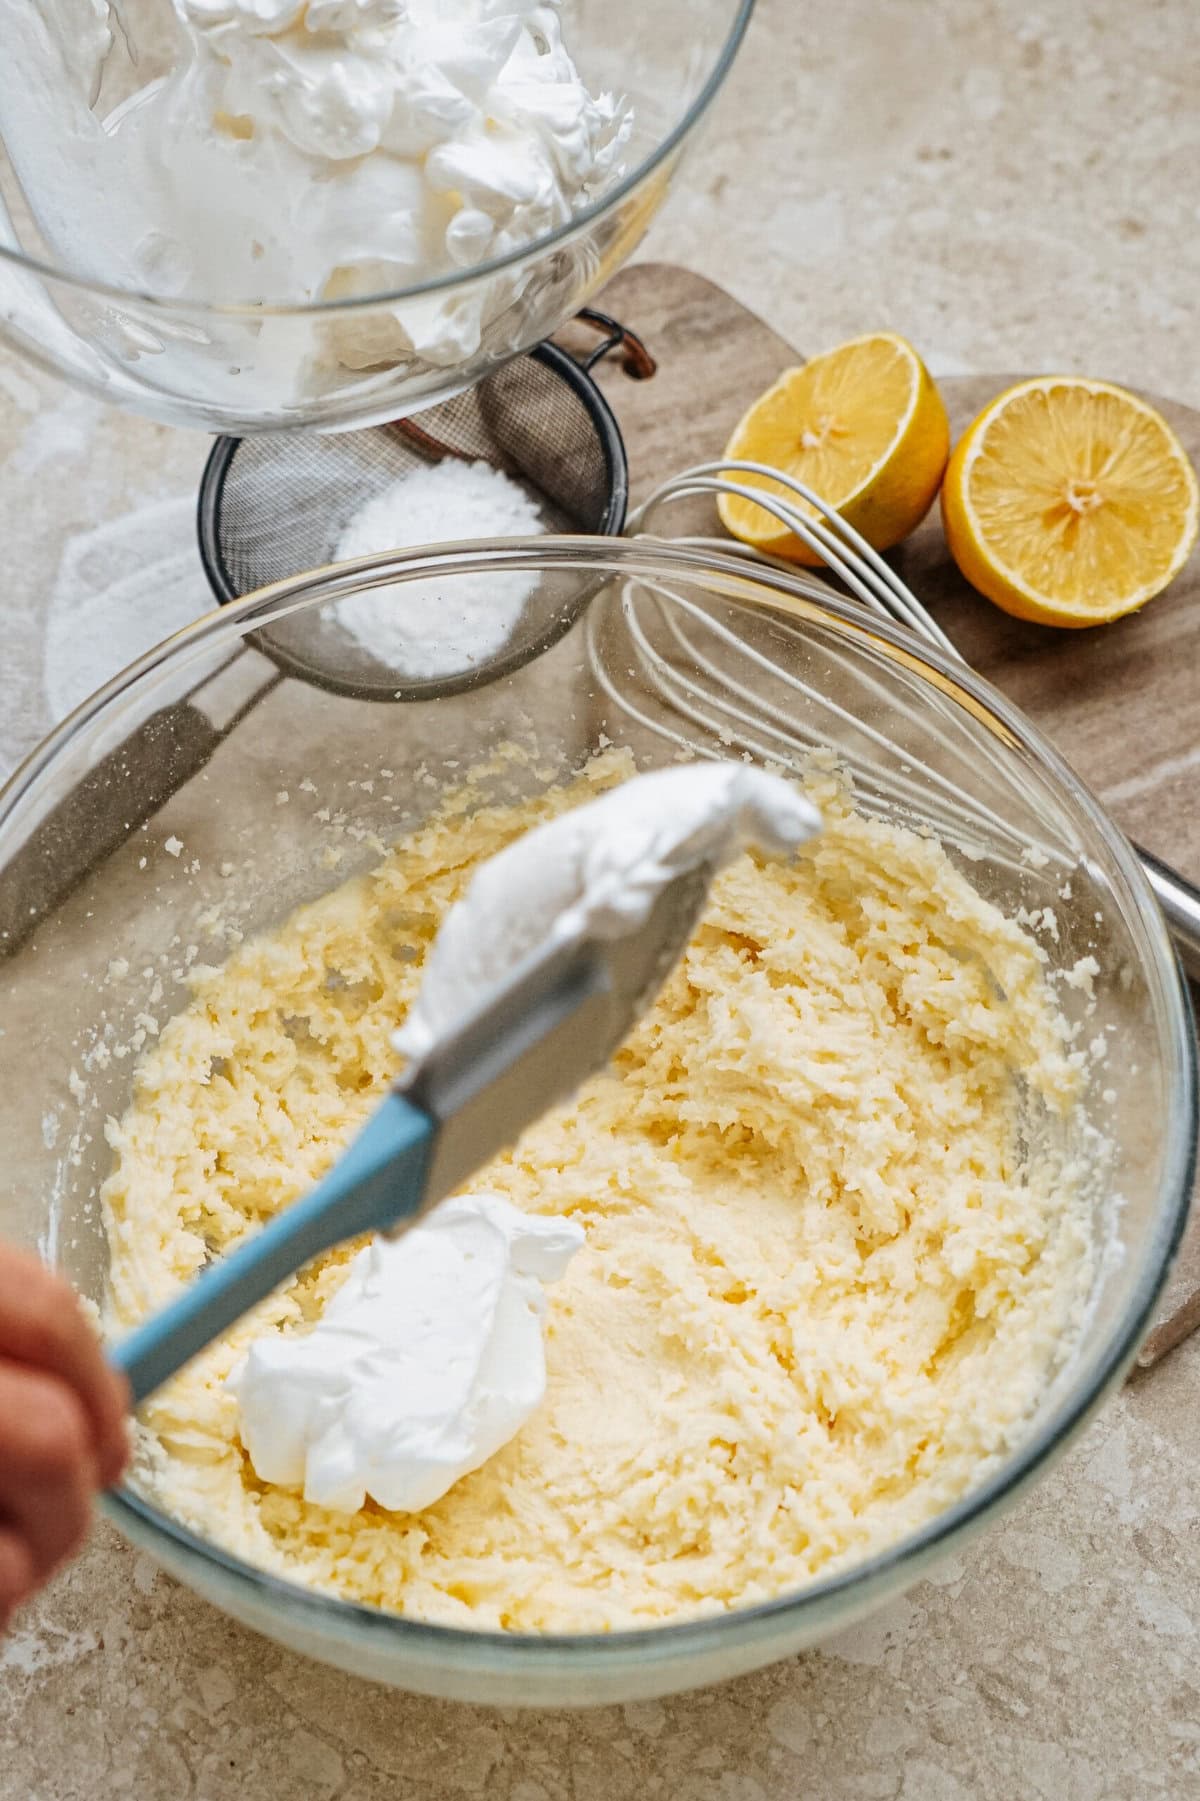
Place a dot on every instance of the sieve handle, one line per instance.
(636, 360)
(99, 815)
(123, 790)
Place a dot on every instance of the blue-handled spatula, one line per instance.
(551, 1024)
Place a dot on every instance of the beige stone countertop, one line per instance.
(1012, 186)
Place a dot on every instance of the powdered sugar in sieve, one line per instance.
(427, 628)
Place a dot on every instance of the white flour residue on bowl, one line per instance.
(120, 588)
(55, 434)
(430, 627)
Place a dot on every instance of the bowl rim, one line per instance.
(800, 595)
(450, 280)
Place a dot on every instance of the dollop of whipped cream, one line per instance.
(427, 1360)
(598, 869)
(304, 150)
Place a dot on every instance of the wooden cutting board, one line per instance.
(1122, 703)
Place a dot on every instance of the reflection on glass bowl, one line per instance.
(335, 329)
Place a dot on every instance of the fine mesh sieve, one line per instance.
(275, 505)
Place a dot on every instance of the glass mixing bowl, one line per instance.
(238, 362)
(206, 784)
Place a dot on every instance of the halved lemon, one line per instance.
(863, 426)
(1070, 502)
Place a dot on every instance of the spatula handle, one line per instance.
(377, 1183)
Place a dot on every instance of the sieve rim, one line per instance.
(551, 356)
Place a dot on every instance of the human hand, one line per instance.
(62, 1425)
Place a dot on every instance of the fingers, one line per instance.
(62, 1425)
(48, 1471)
(43, 1325)
(17, 1576)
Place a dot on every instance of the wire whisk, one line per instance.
(726, 706)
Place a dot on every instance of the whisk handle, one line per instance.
(1180, 903)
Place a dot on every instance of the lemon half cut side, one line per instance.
(1070, 502)
(863, 426)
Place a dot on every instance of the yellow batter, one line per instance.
(825, 1276)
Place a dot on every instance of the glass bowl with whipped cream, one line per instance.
(861, 1223)
(254, 214)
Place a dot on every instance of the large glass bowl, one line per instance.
(185, 788)
(232, 362)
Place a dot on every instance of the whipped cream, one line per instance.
(598, 869)
(303, 150)
(426, 1361)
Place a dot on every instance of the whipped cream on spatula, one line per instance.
(431, 1355)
